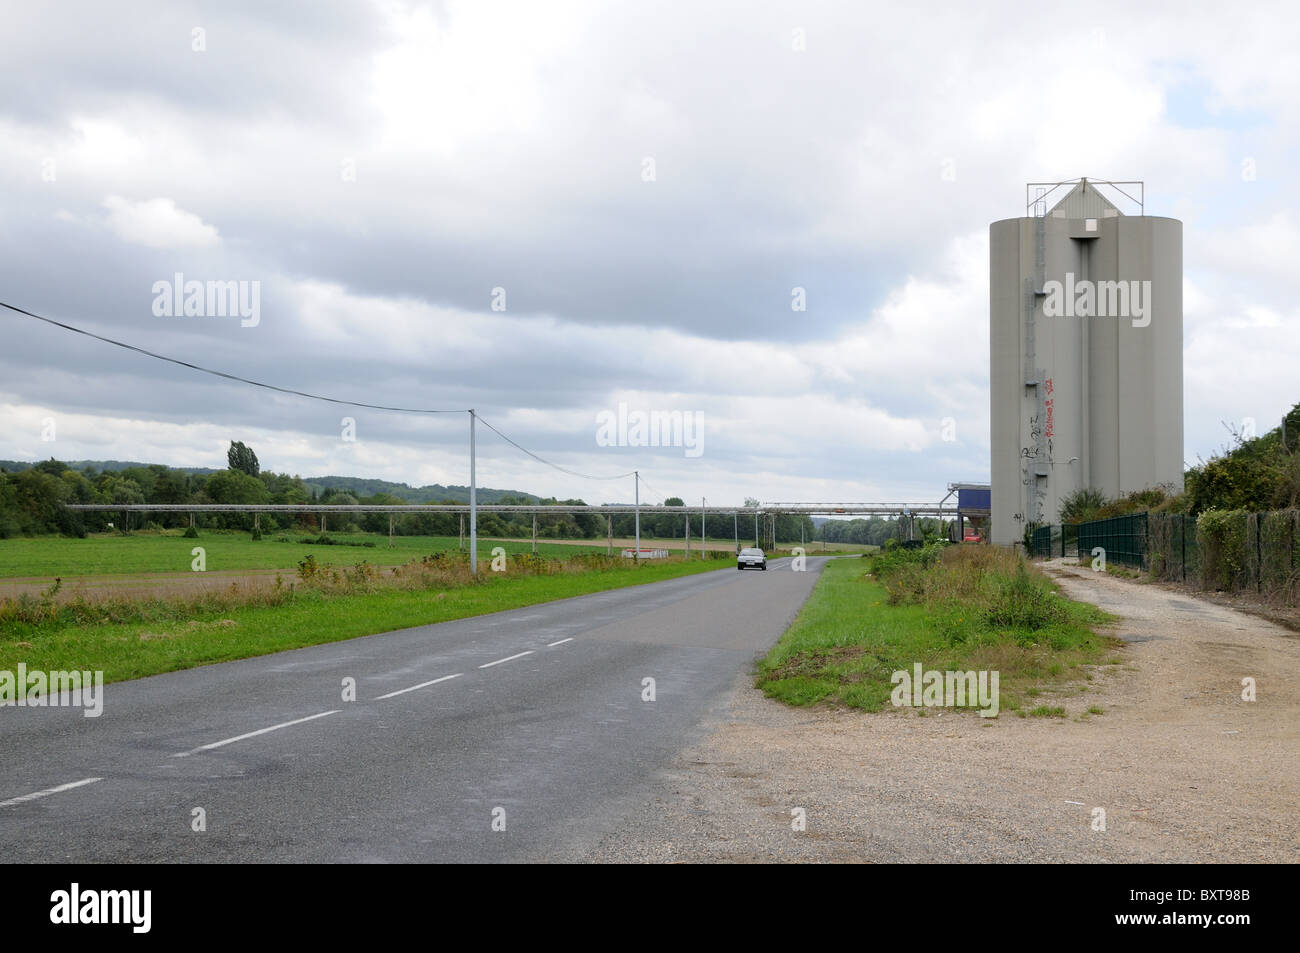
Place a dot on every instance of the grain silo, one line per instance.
(1086, 351)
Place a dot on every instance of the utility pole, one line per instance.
(703, 535)
(735, 519)
(755, 529)
(473, 500)
(636, 475)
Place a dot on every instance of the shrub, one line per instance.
(308, 569)
(1221, 536)
(1082, 505)
(893, 558)
(361, 576)
(1022, 601)
(1277, 572)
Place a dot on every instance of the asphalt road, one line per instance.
(533, 719)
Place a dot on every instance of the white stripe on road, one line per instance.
(508, 659)
(254, 734)
(403, 691)
(561, 642)
(47, 792)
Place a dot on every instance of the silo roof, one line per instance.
(1084, 201)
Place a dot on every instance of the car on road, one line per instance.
(752, 559)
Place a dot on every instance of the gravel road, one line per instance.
(1185, 770)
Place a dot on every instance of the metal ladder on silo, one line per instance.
(1033, 374)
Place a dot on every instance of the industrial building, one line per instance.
(972, 522)
(1086, 351)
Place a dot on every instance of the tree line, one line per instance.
(32, 503)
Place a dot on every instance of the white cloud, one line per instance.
(158, 223)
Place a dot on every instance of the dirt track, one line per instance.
(1185, 770)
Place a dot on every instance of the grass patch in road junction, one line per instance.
(949, 608)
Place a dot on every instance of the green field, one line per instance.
(233, 551)
(228, 550)
(188, 635)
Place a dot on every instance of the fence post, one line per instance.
(1259, 553)
(1182, 533)
(1144, 562)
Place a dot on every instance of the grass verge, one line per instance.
(962, 608)
(137, 639)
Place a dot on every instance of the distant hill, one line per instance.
(436, 492)
(357, 486)
(17, 466)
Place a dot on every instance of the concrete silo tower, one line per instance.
(1086, 342)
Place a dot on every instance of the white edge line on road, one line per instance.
(403, 691)
(561, 642)
(47, 792)
(510, 658)
(254, 734)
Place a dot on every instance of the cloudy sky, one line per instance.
(647, 185)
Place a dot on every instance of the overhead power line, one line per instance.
(300, 393)
(230, 377)
(585, 476)
(645, 483)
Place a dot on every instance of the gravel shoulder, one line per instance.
(1185, 770)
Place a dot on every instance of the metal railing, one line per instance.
(1122, 539)
(1237, 551)
(1055, 540)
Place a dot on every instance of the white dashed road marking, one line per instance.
(509, 658)
(254, 734)
(403, 691)
(47, 792)
(561, 642)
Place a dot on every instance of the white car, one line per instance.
(751, 559)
